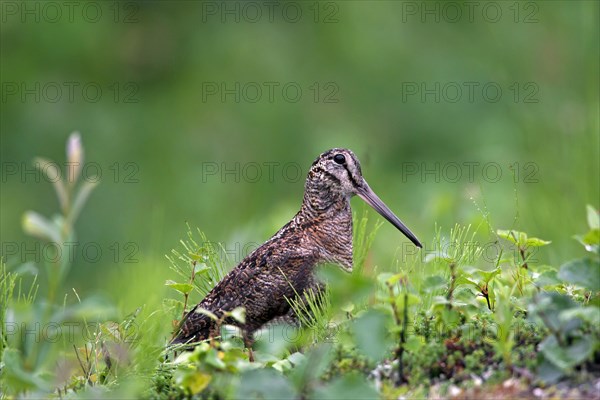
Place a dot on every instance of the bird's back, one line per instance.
(278, 270)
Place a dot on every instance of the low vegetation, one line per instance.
(465, 317)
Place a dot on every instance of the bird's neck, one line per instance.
(319, 203)
(327, 218)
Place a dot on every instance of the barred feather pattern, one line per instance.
(283, 267)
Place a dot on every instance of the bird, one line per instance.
(283, 267)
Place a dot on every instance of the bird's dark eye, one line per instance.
(339, 158)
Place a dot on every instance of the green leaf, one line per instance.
(370, 331)
(547, 278)
(414, 343)
(297, 358)
(489, 275)
(16, 377)
(392, 280)
(433, 283)
(536, 242)
(548, 372)
(265, 384)
(569, 356)
(516, 237)
(581, 272)
(411, 300)
(590, 314)
(212, 359)
(184, 288)
(194, 381)
(591, 240)
(593, 218)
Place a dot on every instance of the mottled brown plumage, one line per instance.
(321, 232)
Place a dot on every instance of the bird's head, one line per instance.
(337, 173)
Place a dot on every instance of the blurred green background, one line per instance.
(378, 77)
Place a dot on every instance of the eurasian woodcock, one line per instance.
(282, 268)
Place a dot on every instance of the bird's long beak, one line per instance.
(367, 194)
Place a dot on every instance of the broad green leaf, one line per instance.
(282, 365)
(548, 372)
(489, 275)
(569, 356)
(581, 272)
(411, 300)
(184, 288)
(17, 377)
(370, 332)
(590, 314)
(392, 280)
(195, 381)
(593, 218)
(297, 358)
(265, 384)
(433, 283)
(414, 343)
(275, 339)
(212, 359)
(547, 278)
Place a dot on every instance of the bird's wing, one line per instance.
(258, 283)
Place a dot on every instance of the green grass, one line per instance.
(453, 317)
